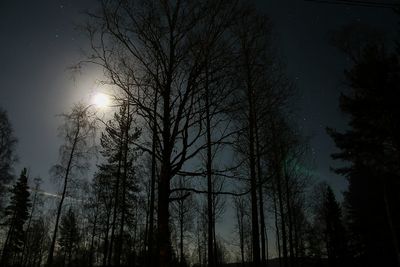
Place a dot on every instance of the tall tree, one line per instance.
(371, 149)
(129, 173)
(115, 184)
(7, 153)
(36, 201)
(17, 213)
(252, 36)
(328, 228)
(150, 234)
(158, 49)
(78, 132)
(334, 230)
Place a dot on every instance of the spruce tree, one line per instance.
(117, 142)
(335, 238)
(16, 215)
(371, 149)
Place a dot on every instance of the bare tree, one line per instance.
(253, 34)
(153, 50)
(78, 133)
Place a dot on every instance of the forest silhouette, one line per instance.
(201, 124)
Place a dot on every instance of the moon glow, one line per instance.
(101, 100)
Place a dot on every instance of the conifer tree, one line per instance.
(335, 239)
(117, 148)
(16, 215)
(371, 147)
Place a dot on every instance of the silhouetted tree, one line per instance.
(117, 148)
(16, 214)
(36, 202)
(78, 133)
(171, 70)
(353, 38)
(178, 64)
(262, 91)
(7, 153)
(371, 150)
(335, 237)
(330, 233)
(277, 162)
(150, 232)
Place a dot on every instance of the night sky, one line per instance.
(38, 41)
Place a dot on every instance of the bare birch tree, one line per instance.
(78, 133)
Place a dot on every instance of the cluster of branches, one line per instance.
(202, 115)
(202, 103)
(204, 83)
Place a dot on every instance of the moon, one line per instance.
(101, 100)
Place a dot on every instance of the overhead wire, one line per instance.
(358, 3)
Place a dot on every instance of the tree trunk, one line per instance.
(150, 237)
(163, 218)
(283, 226)
(260, 195)
(277, 230)
(164, 189)
(210, 238)
(105, 248)
(164, 246)
(290, 223)
(92, 241)
(53, 240)
(282, 211)
(116, 201)
(240, 222)
(24, 258)
(124, 179)
(279, 177)
(253, 177)
(181, 237)
(198, 243)
(296, 236)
